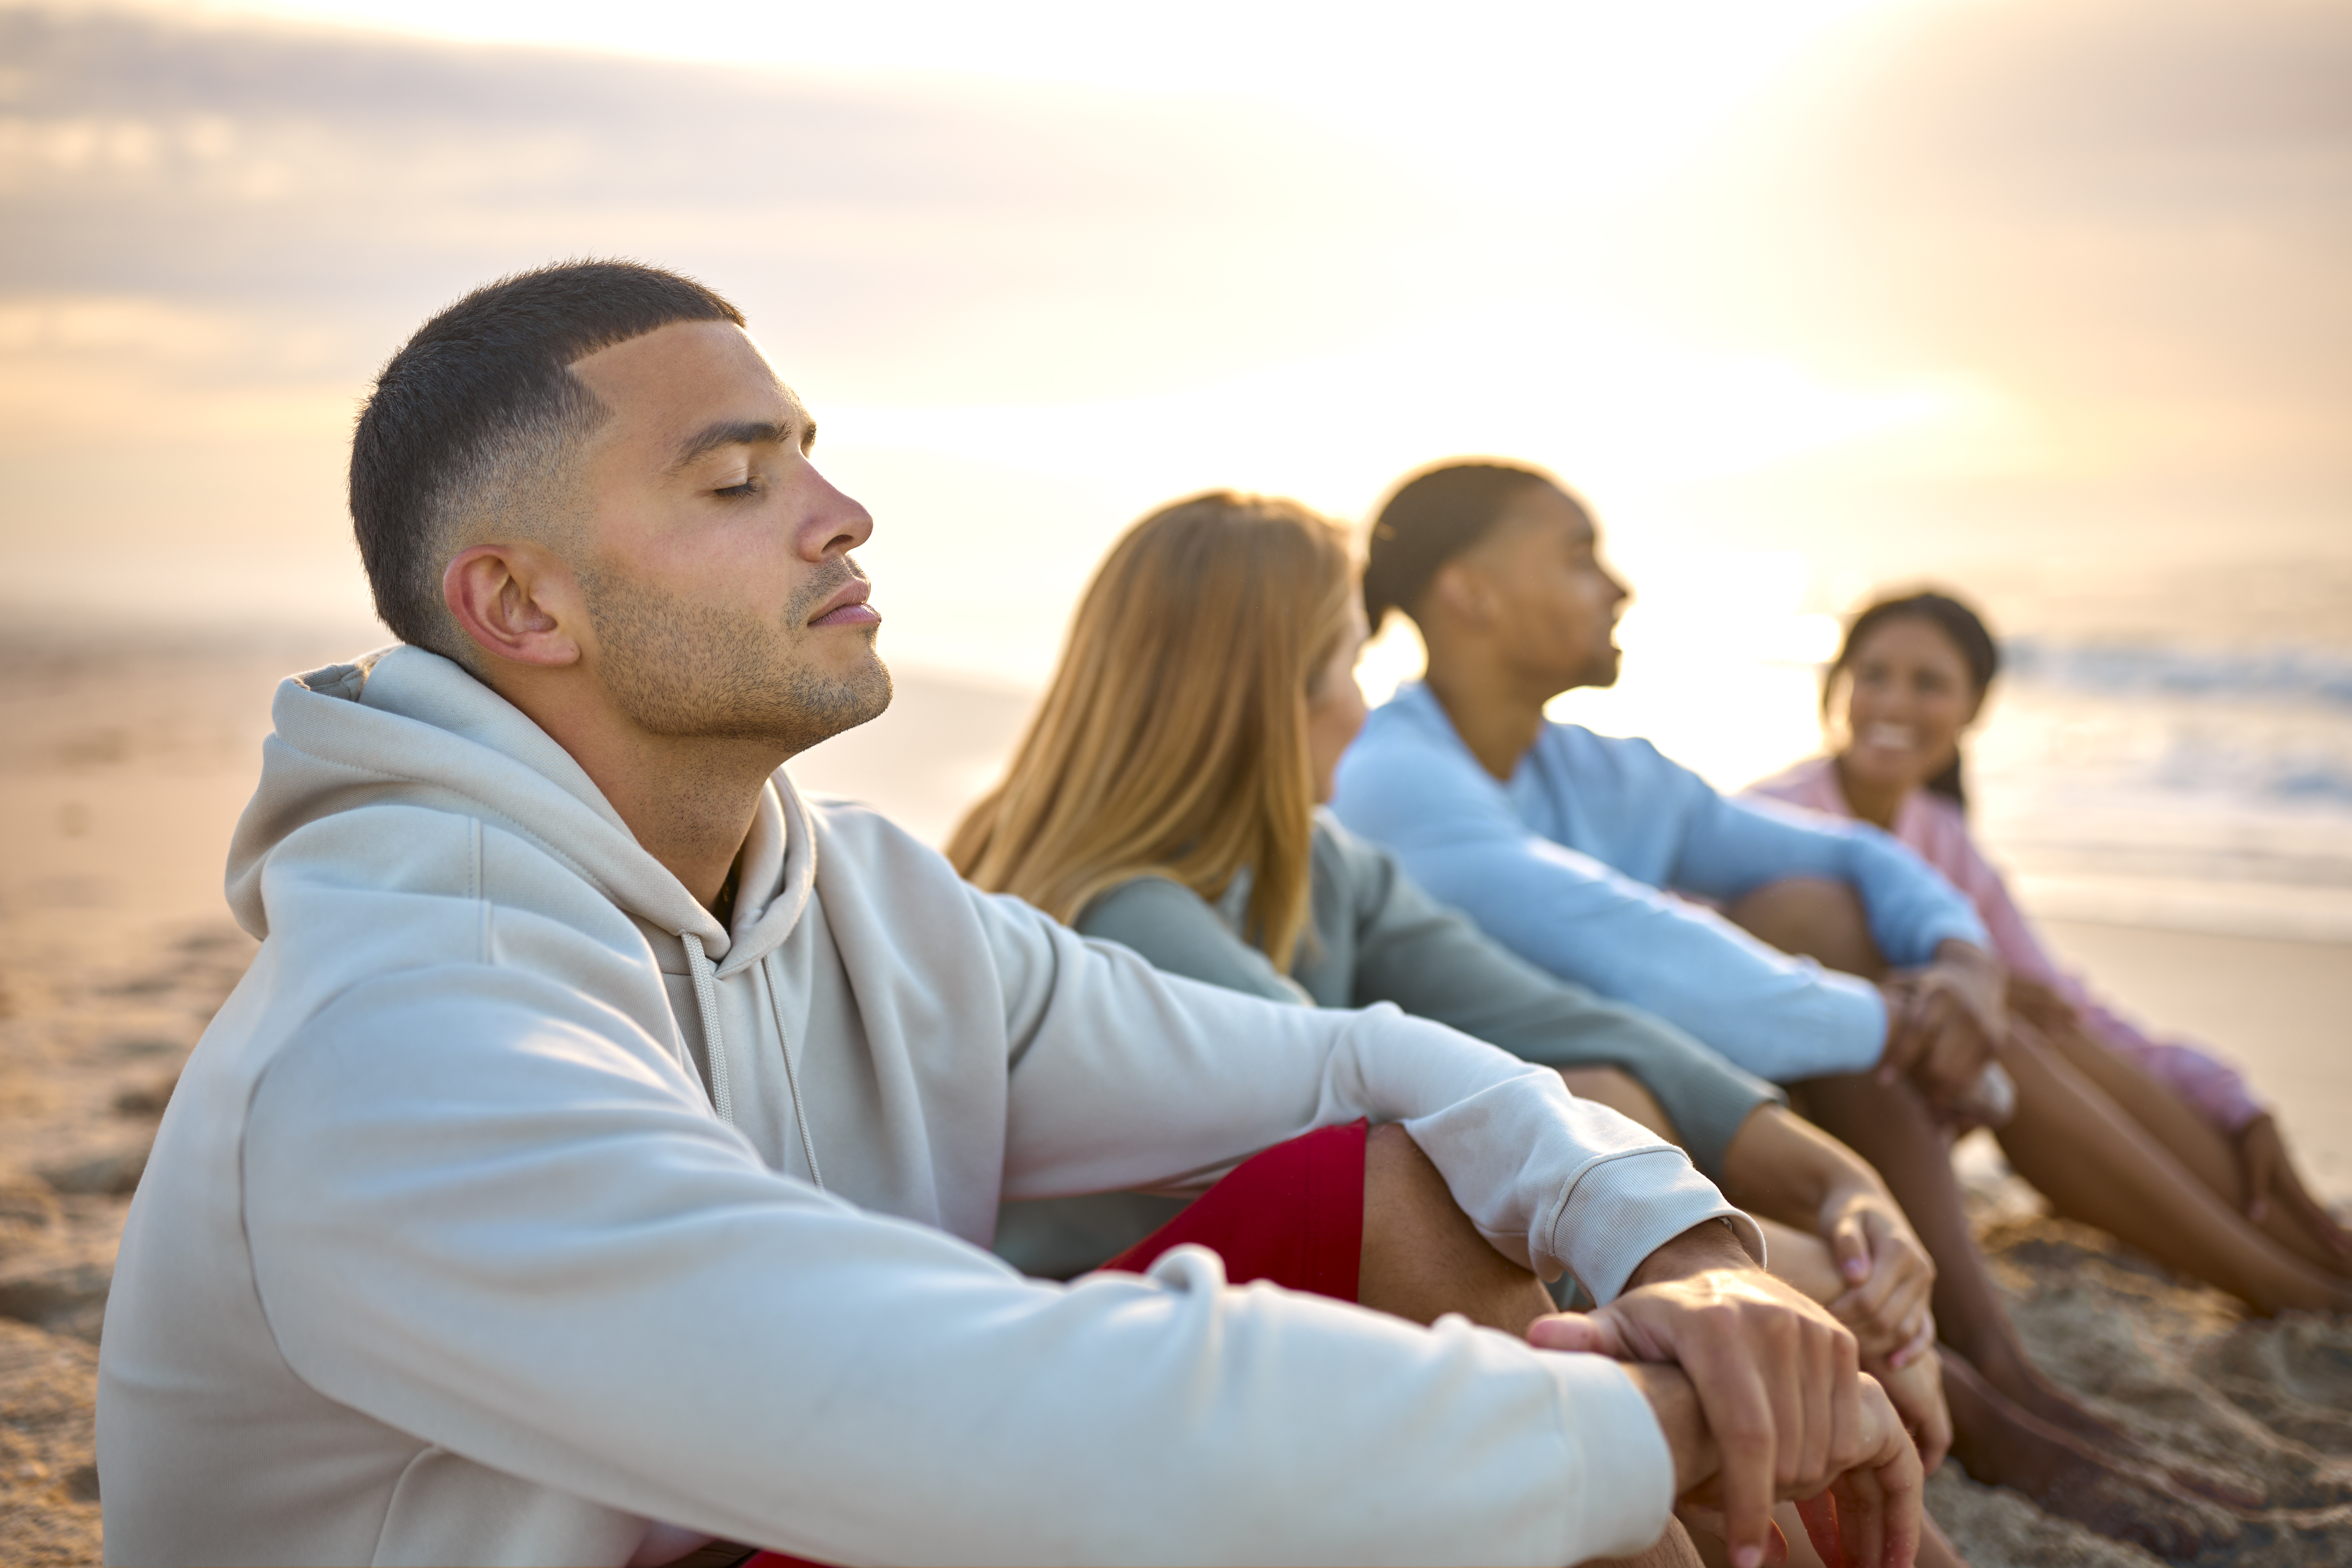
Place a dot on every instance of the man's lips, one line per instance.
(848, 607)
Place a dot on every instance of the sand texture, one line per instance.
(122, 772)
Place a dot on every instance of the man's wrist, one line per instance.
(1710, 1244)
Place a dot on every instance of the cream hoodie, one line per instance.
(510, 1205)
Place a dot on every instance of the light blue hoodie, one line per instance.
(1568, 865)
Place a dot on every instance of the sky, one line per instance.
(2041, 297)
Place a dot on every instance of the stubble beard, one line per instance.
(684, 669)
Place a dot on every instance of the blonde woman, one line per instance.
(1165, 797)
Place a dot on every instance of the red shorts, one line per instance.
(1292, 1215)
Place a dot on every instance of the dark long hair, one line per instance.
(1966, 631)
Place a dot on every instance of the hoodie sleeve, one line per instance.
(1124, 1076)
(1730, 847)
(485, 1210)
(1456, 834)
(1433, 962)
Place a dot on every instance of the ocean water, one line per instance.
(2142, 783)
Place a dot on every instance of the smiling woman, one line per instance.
(2155, 1141)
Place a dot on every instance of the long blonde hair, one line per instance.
(1172, 741)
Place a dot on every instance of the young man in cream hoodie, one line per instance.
(598, 1157)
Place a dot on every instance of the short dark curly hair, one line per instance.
(475, 415)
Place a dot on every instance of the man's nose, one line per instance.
(835, 523)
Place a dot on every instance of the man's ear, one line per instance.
(1462, 593)
(517, 602)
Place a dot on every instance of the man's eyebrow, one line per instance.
(800, 433)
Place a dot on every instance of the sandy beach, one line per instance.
(123, 768)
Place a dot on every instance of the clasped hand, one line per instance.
(1945, 1022)
(1760, 1396)
(1890, 1279)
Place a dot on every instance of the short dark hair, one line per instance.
(1969, 635)
(476, 407)
(1433, 516)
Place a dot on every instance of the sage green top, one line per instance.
(1374, 936)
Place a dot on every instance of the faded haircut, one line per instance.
(478, 419)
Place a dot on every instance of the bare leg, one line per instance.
(1819, 920)
(1621, 1093)
(1423, 1257)
(2199, 1146)
(1999, 1445)
(2099, 1164)
(1890, 1126)
(2116, 1164)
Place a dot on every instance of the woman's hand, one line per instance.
(2269, 1175)
(1888, 1275)
(1916, 1389)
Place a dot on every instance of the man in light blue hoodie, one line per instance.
(1840, 959)
(1564, 844)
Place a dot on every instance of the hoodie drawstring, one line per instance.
(714, 1044)
(792, 1079)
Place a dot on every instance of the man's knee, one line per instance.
(1815, 917)
(1403, 1190)
(1422, 1256)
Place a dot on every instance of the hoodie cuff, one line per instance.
(1847, 1035)
(1622, 1210)
(1619, 1454)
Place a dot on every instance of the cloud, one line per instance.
(2111, 206)
(368, 179)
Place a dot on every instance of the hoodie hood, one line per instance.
(403, 726)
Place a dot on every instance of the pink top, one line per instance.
(1934, 828)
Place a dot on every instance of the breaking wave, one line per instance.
(2291, 675)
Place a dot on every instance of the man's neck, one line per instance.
(690, 801)
(1497, 718)
(690, 812)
